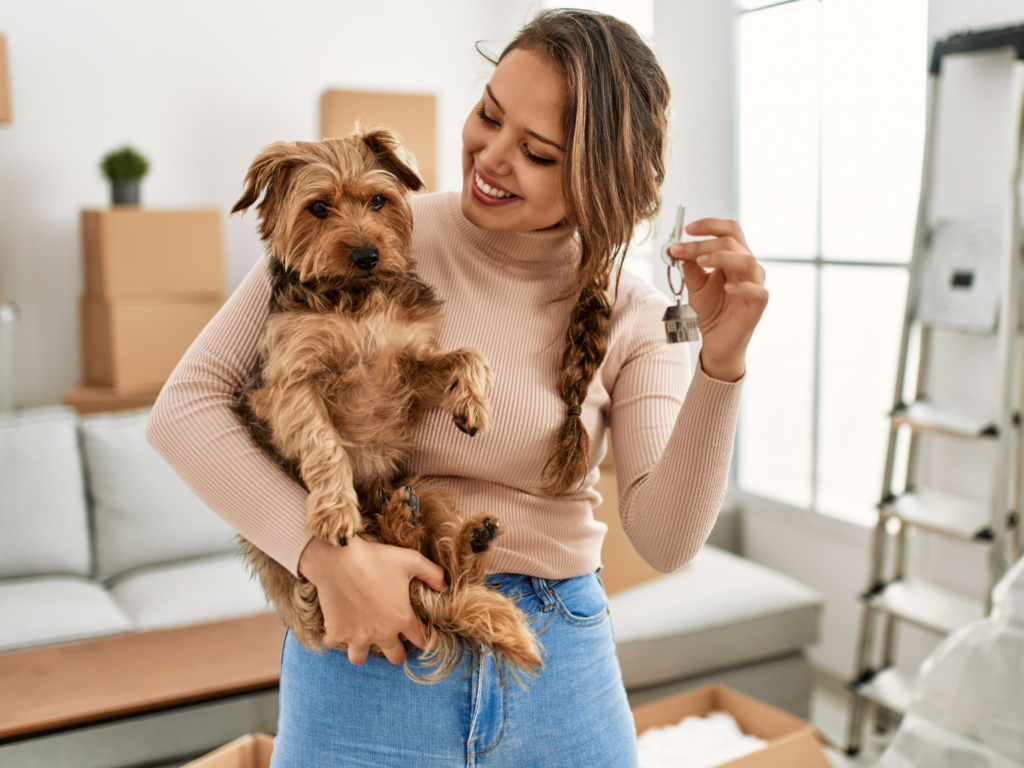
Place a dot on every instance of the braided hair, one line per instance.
(616, 126)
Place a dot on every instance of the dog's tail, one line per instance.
(477, 620)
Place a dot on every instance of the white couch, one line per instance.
(98, 535)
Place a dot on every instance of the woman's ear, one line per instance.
(388, 153)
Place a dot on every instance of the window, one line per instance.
(830, 135)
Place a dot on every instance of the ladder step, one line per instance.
(891, 688)
(954, 516)
(926, 605)
(960, 421)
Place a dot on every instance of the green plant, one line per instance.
(124, 163)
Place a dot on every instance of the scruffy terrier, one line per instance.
(348, 364)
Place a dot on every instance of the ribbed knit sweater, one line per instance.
(672, 438)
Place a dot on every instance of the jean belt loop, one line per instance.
(543, 592)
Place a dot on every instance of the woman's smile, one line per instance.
(490, 192)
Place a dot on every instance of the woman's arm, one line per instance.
(193, 427)
(672, 444)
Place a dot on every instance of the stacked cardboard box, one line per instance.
(153, 280)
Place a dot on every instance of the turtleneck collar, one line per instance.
(543, 250)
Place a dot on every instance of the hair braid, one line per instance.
(586, 343)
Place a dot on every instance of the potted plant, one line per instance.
(125, 168)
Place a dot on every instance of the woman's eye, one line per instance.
(377, 202)
(534, 159)
(483, 115)
(319, 209)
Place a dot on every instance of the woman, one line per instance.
(562, 158)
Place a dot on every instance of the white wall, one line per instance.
(199, 87)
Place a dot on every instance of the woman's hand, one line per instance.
(726, 290)
(363, 589)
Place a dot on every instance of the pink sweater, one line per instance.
(672, 442)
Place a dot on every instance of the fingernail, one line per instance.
(729, 288)
(676, 250)
(703, 260)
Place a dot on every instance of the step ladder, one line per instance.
(965, 275)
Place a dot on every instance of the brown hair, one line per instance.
(615, 125)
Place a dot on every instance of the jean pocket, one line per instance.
(581, 601)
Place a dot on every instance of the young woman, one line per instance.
(562, 157)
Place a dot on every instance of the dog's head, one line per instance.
(337, 208)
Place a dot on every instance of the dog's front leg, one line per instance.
(303, 433)
(458, 382)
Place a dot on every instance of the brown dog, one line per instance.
(348, 364)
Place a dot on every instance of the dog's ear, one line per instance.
(265, 172)
(388, 153)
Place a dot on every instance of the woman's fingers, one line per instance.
(357, 653)
(429, 573)
(394, 652)
(737, 265)
(415, 631)
(755, 294)
(716, 228)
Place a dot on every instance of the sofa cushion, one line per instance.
(44, 525)
(204, 589)
(718, 612)
(143, 513)
(52, 609)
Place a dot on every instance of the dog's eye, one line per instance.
(377, 201)
(319, 209)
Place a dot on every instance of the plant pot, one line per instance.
(125, 191)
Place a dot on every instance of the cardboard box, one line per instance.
(133, 346)
(623, 567)
(414, 116)
(90, 399)
(251, 751)
(5, 84)
(131, 252)
(792, 742)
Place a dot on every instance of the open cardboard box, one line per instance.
(251, 751)
(792, 742)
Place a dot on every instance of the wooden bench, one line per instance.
(71, 685)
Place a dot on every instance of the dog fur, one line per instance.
(348, 364)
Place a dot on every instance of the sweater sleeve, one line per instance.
(193, 427)
(672, 444)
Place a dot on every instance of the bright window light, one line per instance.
(830, 136)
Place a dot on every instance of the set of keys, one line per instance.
(680, 320)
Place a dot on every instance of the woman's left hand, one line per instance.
(726, 290)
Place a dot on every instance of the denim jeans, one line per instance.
(572, 713)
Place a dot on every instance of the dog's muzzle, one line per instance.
(365, 258)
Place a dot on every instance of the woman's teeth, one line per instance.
(488, 190)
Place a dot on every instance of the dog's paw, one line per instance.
(471, 413)
(483, 535)
(399, 523)
(336, 525)
(408, 498)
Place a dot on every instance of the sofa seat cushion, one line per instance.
(189, 592)
(143, 513)
(52, 609)
(44, 526)
(718, 612)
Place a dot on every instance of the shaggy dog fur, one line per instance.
(348, 364)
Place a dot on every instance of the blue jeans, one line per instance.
(572, 713)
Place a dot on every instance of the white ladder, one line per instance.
(966, 276)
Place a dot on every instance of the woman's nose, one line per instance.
(495, 157)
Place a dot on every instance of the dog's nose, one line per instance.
(365, 258)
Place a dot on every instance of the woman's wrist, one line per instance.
(728, 370)
(318, 556)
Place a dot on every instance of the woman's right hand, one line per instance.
(363, 589)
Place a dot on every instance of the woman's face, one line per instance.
(512, 148)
